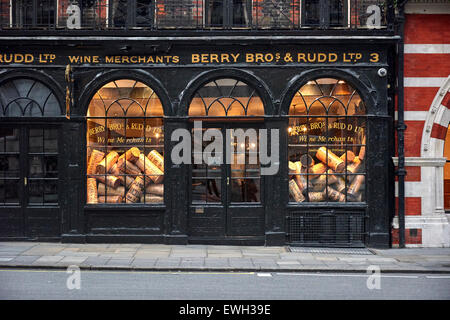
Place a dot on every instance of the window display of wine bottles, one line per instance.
(130, 177)
(125, 145)
(327, 143)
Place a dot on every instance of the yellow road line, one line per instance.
(128, 271)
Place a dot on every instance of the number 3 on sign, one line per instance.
(374, 57)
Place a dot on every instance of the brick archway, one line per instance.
(436, 123)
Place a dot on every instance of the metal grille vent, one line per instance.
(352, 251)
(327, 228)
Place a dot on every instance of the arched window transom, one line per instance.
(28, 98)
(226, 98)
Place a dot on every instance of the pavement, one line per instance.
(159, 257)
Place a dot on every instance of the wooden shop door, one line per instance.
(29, 182)
(226, 198)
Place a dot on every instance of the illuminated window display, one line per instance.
(125, 145)
(327, 143)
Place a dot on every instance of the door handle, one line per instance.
(25, 181)
(228, 181)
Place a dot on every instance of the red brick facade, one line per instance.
(426, 66)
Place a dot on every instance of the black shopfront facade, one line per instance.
(88, 131)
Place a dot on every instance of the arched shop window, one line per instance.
(28, 98)
(327, 143)
(125, 145)
(226, 98)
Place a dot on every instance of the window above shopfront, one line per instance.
(195, 14)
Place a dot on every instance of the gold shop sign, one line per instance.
(306, 132)
(291, 57)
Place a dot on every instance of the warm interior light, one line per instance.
(289, 129)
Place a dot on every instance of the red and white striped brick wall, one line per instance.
(427, 67)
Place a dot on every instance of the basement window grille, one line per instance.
(327, 228)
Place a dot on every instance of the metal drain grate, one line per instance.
(355, 251)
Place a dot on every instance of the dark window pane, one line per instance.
(50, 192)
(51, 140)
(9, 166)
(312, 13)
(36, 140)
(11, 191)
(119, 13)
(51, 166)
(215, 13)
(336, 13)
(11, 139)
(23, 13)
(2, 191)
(241, 13)
(35, 191)
(143, 13)
(35, 165)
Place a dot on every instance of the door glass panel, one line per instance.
(42, 166)
(10, 192)
(9, 166)
(245, 171)
(198, 190)
(35, 169)
(36, 140)
(51, 166)
(9, 140)
(206, 178)
(51, 192)
(214, 171)
(245, 190)
(213, 190)
(51, 140)
(35, 191)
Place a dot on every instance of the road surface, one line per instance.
(53, 284)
